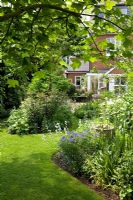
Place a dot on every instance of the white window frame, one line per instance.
(119, 85)
(76, 81)
(101, 83)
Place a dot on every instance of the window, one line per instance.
(78, 81)
(120, 81)
(120, 84)
(101, 83)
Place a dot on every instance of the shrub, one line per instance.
(3, 113)
(75, 147)
(88, 110)
(107, 95)
(105, 160)
(71, 90)
(111, 165)
(38, 85)
(120, 112)
(51, 82)
(40, 114)
(18, 121)
(9, 97)
(101, 166)
(123, 176)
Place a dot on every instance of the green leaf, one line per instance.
(12, 83)
(127, 54)
(1, 13)
(39, 74)
(127, 42)
(75, 63)
(109, 4)
(93, 59)
(130, 74)
(53, 37)
(62, 62)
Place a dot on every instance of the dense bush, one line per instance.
(3, 112)
(104, 161)
(123, 176)
(10, 97)
(40, 114)
(51, 82)
(88, 110)
(108, 162)
(75, 147)
(112, 167)
(120, 112)
(18, 121)
(106, 95)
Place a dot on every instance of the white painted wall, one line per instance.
(111, 83)
(88, 83)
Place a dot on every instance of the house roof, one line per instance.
(83, 68)
(116, 71)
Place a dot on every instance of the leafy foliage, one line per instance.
(9, 97)
(120, 112)
(88, 110)
(40, 114)
(74, 147)
(51, 82)
(104, 157)
(123, 176)
(37, 35)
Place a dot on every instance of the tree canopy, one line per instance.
(37, 34)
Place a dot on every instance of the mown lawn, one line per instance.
(28, 173)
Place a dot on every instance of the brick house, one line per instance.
(76, 76)
(110, 79)
(95, 82)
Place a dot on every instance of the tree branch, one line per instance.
(34, 7)
(91, 37)
(45, 31)
(107, 20)
(32, 23)
(67, 27)
(24, 9)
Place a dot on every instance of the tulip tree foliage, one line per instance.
(35, 35)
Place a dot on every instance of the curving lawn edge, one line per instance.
(27, 171)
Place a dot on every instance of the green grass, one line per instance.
(28, 173)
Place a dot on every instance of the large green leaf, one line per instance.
(12, 83)
(76, 63)
(109, 4)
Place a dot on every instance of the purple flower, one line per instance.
(63, 138)
(71, 139)
(68, 132)
(75, 134)
(81, 135)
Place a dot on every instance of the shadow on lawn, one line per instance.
(37, 178)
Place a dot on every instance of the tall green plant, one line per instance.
(41, 113)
